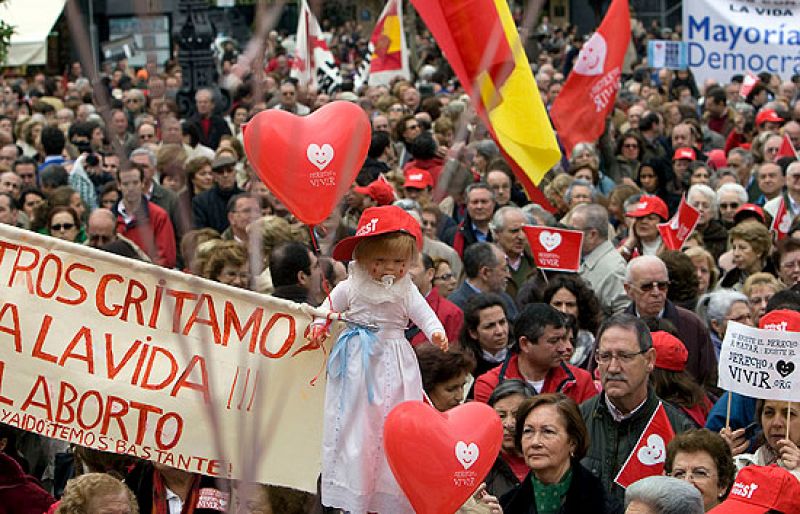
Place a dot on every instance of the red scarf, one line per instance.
(160, 495)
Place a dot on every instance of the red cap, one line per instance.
(671, 354)
(379, 190)
(758, 489)
(782, 320)
(766, 115)
(375, 221)
(418, 178)
(649, 204)
(684, 153)
(746, 208)
(717, 159)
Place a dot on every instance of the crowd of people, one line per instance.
(574, 364)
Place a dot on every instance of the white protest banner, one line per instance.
(760, 363)
(729, 37)
(127, 357)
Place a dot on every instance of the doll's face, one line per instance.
(380, 267)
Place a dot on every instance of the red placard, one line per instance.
(555, 248)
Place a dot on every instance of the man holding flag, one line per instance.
(629, 426)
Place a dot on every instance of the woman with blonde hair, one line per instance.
(759, 288)
(96, 493)
(706, 267)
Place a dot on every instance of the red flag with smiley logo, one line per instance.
(579, 113)
(648, 456)
(555, 248)
(677, 230)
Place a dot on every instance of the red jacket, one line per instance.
(448, 313)
(20, 493)
(574, 382)
(153, 233)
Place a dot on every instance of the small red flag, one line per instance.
(786, 149)
(648, 456)
(676, 231)
(749, 82)
(782, 221)
(555, 248)
(579, 113)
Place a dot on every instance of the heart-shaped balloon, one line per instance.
(309, 162)
(459, 448)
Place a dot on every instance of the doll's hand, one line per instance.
(440, 340)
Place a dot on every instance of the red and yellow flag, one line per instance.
(389, 54)
(482, 45)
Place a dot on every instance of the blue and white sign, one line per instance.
(730, 37)
(663, 53)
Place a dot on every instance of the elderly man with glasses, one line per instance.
(617, 418)
(647, 283)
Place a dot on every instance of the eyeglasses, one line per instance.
(695, 474)
(100, 239)
(741, 318)
(622, 357)
(412, 127)
(446, 276)
(630, 145)
(58, 227)
(646, 288)
(732, 205)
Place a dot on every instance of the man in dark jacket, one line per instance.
(210, 208)
(212, 126)
(475, 226)
(647, 282)
(617, 418)
(295, 272)
(487, 272)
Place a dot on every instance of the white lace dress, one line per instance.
(368, 375)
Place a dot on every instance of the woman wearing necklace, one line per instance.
(552, 437)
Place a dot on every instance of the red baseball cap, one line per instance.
(671, 353)
(684, 153)
(747, 208)
(418, 178)
(379, 190)
(758, 489)
(649, 204)
(766, 115)
(782, 320)
(717, 159)
(375, 221)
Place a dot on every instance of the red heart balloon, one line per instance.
(309, 162)
(459, 448)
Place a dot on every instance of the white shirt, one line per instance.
(174, 502)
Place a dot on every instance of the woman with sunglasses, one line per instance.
(63, 223)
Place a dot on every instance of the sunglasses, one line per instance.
(729, 206)
(58, 227)
(630, 146)
(646, 288)
(446, 276)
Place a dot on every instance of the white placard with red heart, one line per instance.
(555, 248)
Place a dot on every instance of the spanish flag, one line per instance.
(481, 43)
(389, 53)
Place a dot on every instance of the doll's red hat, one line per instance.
(375, 221)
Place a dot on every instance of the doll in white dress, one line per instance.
(370, 371)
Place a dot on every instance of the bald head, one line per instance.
(101, 228)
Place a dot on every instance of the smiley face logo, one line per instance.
(592, 58)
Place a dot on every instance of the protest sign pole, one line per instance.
(788, 417)
(728, 411)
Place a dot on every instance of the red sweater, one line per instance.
(448, 313)
(574, 382)
(154, 234)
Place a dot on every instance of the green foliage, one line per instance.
(5, 36)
